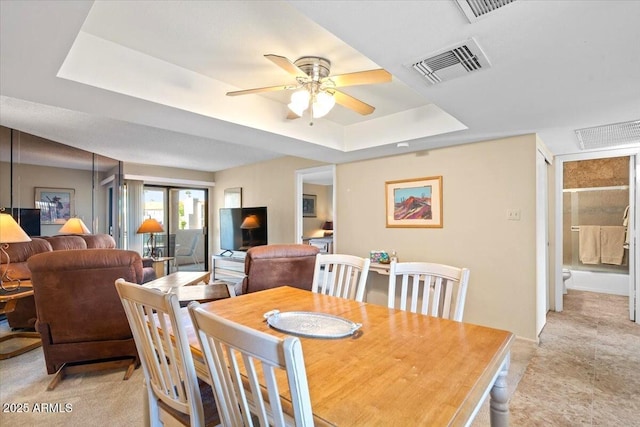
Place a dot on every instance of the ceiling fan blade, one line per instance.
(292, 116)
(361, 78)
(286, 65)
(261, 89)
(353, 103)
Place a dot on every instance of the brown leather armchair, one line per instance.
(270, 266)
(24, 315)
(80, 317)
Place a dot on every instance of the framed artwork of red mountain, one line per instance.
(414, 202)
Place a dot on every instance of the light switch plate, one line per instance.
(513, 214)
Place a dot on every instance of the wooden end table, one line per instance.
(187, 285)
(10, 298)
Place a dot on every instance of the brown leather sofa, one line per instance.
(79, 314)
(24, 315)
(270, 266)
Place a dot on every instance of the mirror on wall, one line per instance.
(62, 181)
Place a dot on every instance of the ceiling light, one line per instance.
(299, 101)
(318, 100)
(323, 104)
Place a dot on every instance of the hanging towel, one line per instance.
(589, 242)
(611, 244)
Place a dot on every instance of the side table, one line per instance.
(9, 299)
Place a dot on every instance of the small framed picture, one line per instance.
(309, 205)
(56, 205)
(414, 202)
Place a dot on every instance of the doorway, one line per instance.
(600, 204)
(183, 214)
(316, 207)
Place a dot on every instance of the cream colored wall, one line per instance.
(270, 184)
(481, 181)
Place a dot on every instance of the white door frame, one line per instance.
(634, 212)
(300, 179)
(542, 240)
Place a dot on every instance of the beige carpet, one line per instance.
(585, 372)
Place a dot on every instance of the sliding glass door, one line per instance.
(183, 215)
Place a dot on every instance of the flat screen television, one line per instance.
(29, 219)
(242, 228)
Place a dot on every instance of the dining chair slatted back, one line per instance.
(434, 289)
(170, 376)
(341, 275)
(244, 364)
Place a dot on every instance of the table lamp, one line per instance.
(151, 226)
(74, 226)
(250, 223)
(328, 228)
(10, 232)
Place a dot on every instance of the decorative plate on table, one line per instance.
(311, 324)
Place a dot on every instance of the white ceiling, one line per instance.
(145, 81)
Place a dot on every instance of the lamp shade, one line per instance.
(150, 225)
(299, 101)
(328, 225)
(74, 226)
(10, 230)
(321, 103)
(250, 222)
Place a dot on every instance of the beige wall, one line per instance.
(481, 181)
(270, 184)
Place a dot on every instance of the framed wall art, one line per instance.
(309, 202)
(414, 202)
(56, 205)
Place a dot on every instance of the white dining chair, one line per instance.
(439, 289)
(170, 376)
(243, 364)
(341, 275)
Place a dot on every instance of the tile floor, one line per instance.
(586, 369)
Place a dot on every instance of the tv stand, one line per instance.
(227, 267)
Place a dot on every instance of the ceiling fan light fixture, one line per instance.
(299, 101)
(324, 102)
(321, 103)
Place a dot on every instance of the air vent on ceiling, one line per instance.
(607, 136)
(475, 9)
(453, 62)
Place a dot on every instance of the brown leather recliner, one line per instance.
(80, 316)
(24, 315)
(270, 266)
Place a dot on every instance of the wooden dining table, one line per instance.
(399, 368)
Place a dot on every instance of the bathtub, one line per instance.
(602, 282)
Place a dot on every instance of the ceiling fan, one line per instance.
(315, 90)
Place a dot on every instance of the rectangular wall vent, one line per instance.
(453, 62)
(475, 9)
(607, 136)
